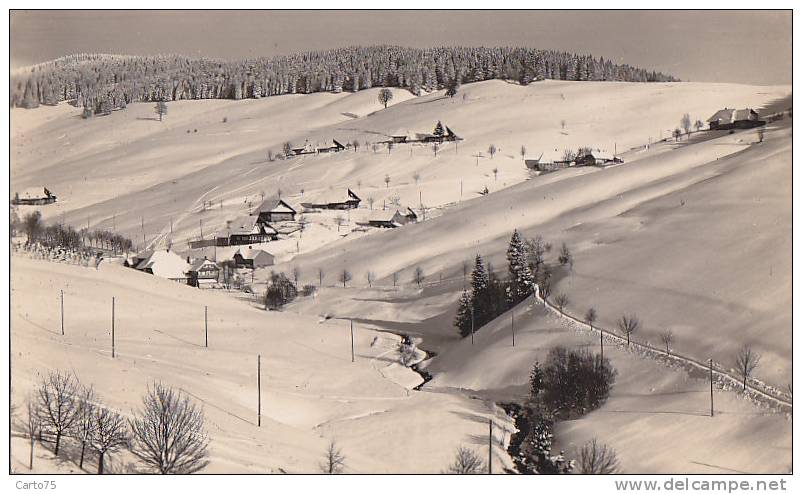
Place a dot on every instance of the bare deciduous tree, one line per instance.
(466, 462)
(58, 405)
(334, 460)
(495, 174)
(168, 436)
(591, 316)
(387, 181)
(686, 123)
(667, 337)
(371, 200)
(385, 95)
(345, 277)
(523, 152)
(561, 301)
(320, 275)
(746, 362)
(597, 458)
(418, 277)
(109, 434)
(33, 425)
(492, 150)
(416, 177)
(339, 221)
(370, 276)
(84, 427)
(395, 278)
(628, 324)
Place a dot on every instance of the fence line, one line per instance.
(759, 390)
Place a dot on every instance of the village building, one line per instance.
(253, 258)
(349, 201)
(730, 118)
(597, 157)
(203, 272)
(548, 161)
(164, 264)
(246, 230)
(336, 148)
(34, 196)
(274, 211)
(392, 218)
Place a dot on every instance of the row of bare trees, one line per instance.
(167, 435)
(746, 359)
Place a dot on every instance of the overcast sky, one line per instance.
(747, 47)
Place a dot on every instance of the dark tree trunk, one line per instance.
(100, 463)
(83, 448)
(30, 461)
(58, 442)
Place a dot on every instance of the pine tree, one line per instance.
(521, 278)
(535, 380)
(438, 129)
(463, 319)
(480, 292)
(161, 109)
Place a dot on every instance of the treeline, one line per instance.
(67, 237)
(103, 82)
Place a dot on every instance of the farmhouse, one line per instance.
(163, 263)
(34, 196)
(336, 148)
(274, 210)
(548, 161)
(392, 218)
(202, 272)
(253, 258)
(350, 201)
(246, 230)
(597, 157)
(730, 118)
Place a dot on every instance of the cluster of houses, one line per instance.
(33, 196)
(198, 272)
(730, 118)
(440, 135)
(587, 157)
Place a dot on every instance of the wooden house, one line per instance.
(248, 230)
(597, 157)
(392, 218)
(253, 258)
(34, 196)
(274, 210)
(202, 272)
(349, 201)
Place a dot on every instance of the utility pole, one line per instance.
(142, 223)
(112, 327)
(460, 190)
(490, 448)
(259, 390)
(472, 313)
(352, 340)
(512, 316)
(171, 225)
(206, 324)
(711, 387)
(601, 341)
(62, 312)
(201, 228)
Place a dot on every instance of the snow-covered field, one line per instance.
(693, 236)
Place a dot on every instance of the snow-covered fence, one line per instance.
(757, 391)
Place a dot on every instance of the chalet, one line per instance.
(34, 196)
(730, 118)
(350, 201)
(392, 218)
(336, 148)
(202, 272)
(400, 139)
(548, 162)
(273, 211)
(253, 258)
(246, 230)
(597, 157)
(163, 263)
(451, 136)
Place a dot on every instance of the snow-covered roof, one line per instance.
(247, 225)
(198, 263)
(164, 264)
(601, 154)
(722, 115)
(251, 253)
(744, 114)
(386, 215)
(335, 197)
(274, 206)
(34, 193)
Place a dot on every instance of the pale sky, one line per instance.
(742, 46)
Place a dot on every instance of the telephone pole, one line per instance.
(259, 388)
(112, 327)
(490, 448)
(512, 315)
(62, 312)
(352, 340)
(206, 325)
(711, 387)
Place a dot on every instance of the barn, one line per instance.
(163, 263)
(247, 230)
(730, 118)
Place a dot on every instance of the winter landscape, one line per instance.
(379, 258)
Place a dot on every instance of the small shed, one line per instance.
(349, 201)
(34, 196)
(274, 210)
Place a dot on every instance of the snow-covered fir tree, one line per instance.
(521, 278)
